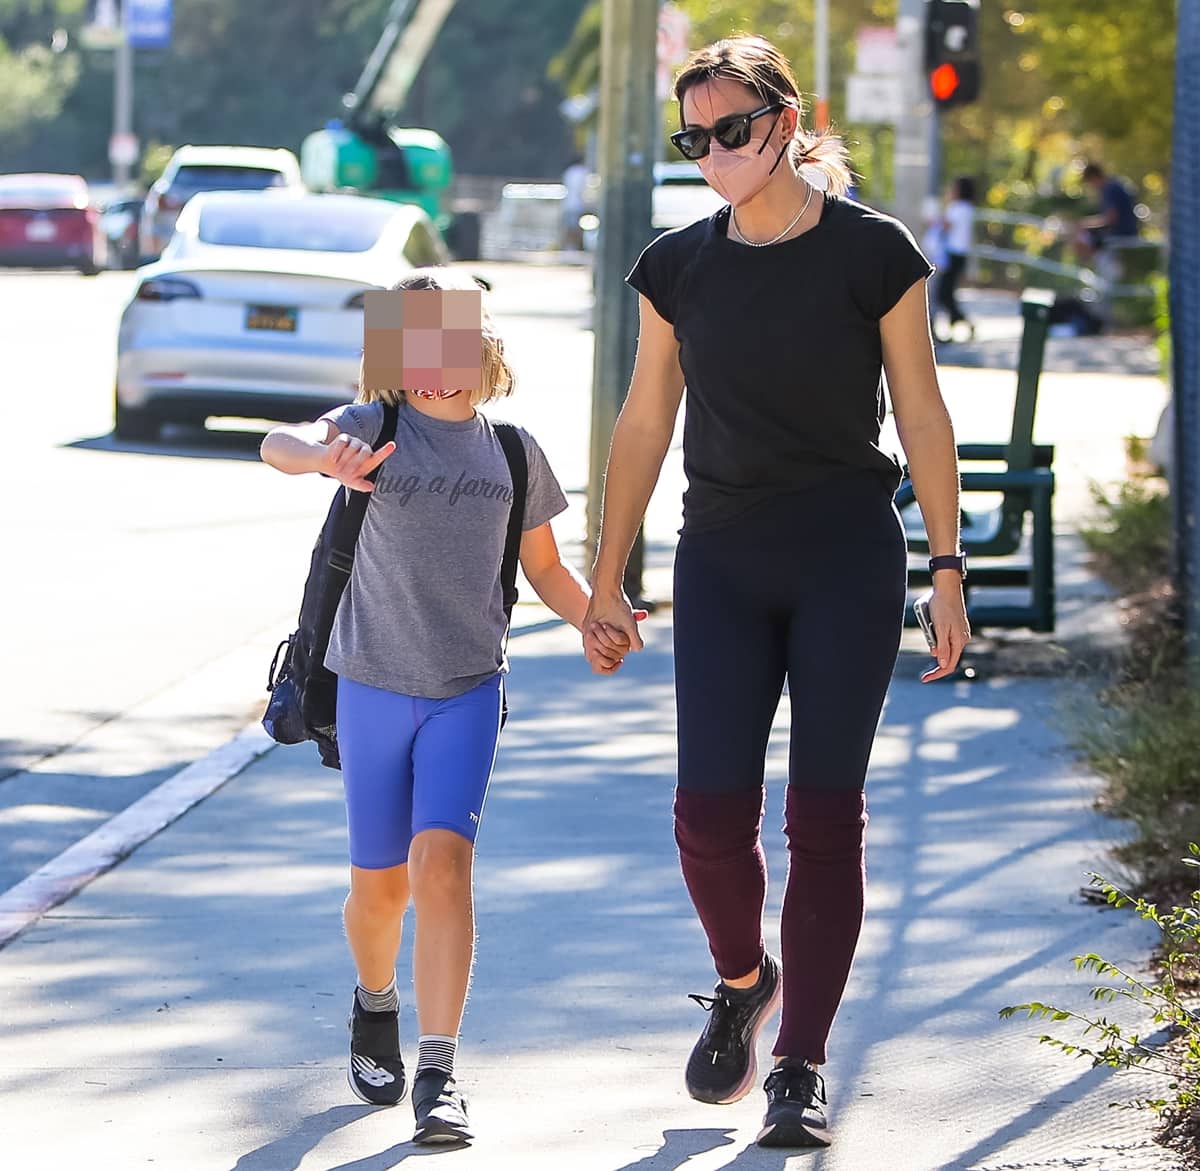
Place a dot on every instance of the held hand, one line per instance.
(350, 460)
(610, 631)
(948, 614)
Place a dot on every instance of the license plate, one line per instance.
(276, 318)
(40, 230)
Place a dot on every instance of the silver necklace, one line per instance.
(776, 239)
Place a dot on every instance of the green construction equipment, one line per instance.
(365, 150)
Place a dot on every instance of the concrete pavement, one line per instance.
(187, 1010)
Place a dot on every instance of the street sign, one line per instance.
(149, 23)
(103, 28)
(877, 50)
(123, 150)
(874, 97)
(674, 31)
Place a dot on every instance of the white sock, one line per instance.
(385, 1000)
(436, 1052)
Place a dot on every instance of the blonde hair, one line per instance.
(498, 377)
(758, 65)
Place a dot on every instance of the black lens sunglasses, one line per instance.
(731, 132)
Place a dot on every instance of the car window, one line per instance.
(213, 178)
(43, 194)
(420, 249)
(304, 227)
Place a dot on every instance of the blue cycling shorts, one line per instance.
(411, 764)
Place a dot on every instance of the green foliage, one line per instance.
(268, 75)
(1173, 1050)
(1132, 536)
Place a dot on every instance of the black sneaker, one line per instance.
(375, 1071)
(794, 1118)
(440, 1108)
(723, 1064)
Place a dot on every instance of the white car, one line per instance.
(192, 169)
(256, 308)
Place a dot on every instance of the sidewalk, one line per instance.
(187, 1010)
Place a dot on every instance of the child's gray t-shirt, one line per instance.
(423, 613)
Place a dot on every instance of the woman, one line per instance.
(958, 225)
(778, 312)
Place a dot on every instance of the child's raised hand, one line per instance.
(350, 460)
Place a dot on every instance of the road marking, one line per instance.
(68, 873)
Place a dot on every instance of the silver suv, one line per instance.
(209, 168)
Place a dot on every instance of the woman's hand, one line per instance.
(350, 460)
(948, 615)
(610, 631)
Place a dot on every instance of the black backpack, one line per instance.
(303, 703)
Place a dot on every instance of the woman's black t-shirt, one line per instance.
(780, 350)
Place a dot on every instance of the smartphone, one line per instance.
(921, 610)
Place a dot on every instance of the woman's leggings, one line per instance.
(808, 588)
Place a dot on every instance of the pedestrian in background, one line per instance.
(418, 648)
(958, 230)
(575, 179)
(779, 312)
(1115, 220)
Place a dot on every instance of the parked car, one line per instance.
(681, 196)
(119, 221)
(47, 221)
(255, 309)
(193, 169)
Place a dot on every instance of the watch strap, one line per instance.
(949, 561)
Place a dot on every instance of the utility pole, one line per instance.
(628, 130)
(1185, 328)
(913, 130)
(821, 37)
(122, 129)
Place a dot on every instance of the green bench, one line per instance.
(1026, 485)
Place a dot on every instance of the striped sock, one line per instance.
(436, 1052)
(385, 1000)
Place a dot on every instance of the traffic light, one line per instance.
(952, 51)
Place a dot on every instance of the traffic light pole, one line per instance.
(911, 164)
(628, 130)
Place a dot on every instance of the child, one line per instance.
(418, 647)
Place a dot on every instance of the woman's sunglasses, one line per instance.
(731, 132)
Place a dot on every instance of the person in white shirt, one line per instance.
(958, 224)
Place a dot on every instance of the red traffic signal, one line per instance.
(944, 82)
(952, 51)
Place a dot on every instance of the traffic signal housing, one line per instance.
(952, 51)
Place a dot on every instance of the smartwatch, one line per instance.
(949, 561)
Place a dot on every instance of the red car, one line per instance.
(47, 221)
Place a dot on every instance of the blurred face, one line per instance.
(428, 341)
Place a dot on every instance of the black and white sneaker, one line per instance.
(723, 1065)
(440, 1108)
(375, 1071)
(794, 1118)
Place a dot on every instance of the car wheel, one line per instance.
(133, 422)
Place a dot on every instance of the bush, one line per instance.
(1173, 1051)
(1132, 539)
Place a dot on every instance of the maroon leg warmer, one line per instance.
(822, 913)
(725, 872)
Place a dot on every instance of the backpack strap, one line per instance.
(341, 556)
(514, 453)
